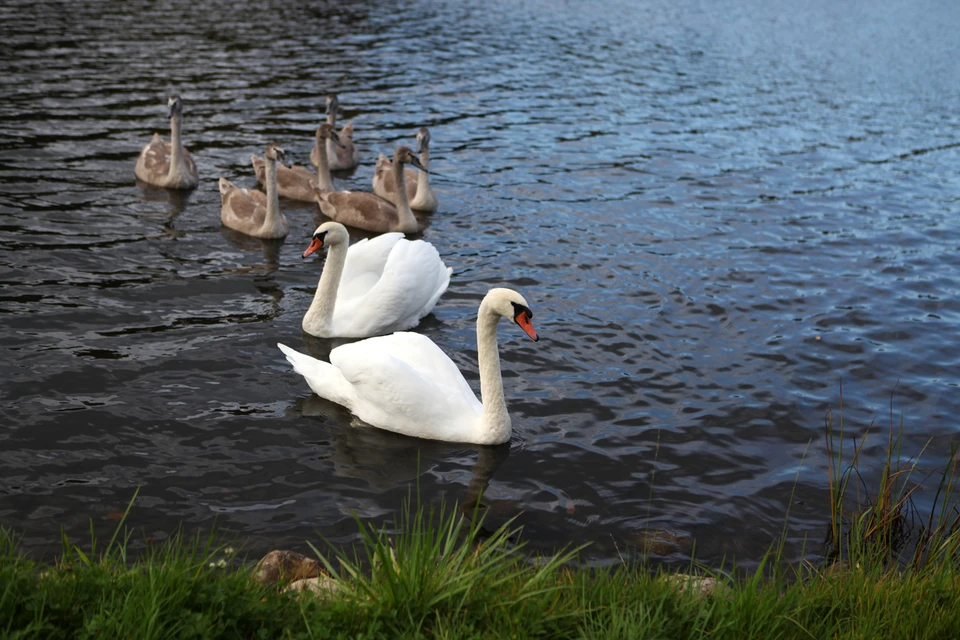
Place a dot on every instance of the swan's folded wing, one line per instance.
(242, 206)
(154, 160)
(365, 262)
(414, 277)
(405, 383)
(415, 350)
(291, 180)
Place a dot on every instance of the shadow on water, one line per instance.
(386, 460)
(176, 199)
(269, 248)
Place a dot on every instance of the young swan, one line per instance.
(168, 164)
(374, 287)
(419, 192)
(404, 382)
(296, 182)
(252, 212)
(344, 156)
(365, 210)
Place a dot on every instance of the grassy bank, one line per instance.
(434, 579)
(888, 573)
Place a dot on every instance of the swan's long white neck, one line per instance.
(177, 164)
(323, 167)
(423, 178)
(495, 420)
(272, 220)
(319, 317)
(405, 217)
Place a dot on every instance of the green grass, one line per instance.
(432, 578)
(889, 573)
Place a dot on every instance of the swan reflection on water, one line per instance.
(268, 246)
(176, 201)
(385, 460)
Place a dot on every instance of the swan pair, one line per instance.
(418, 190)
(344, 154)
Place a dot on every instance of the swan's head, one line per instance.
(174, 106)
(274, 152)
(404, 155)
(332, 103)
(328, 233)
(326, 132)
(423, 139)
(510, 304)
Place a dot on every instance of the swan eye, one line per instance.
(519, 309)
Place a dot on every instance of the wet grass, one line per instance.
(888, 572)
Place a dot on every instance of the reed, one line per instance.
(882, 527)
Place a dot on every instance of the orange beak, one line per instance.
(315, 245)
(524, 321)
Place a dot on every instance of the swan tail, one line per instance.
(324, 379)
(443, 281)
(226, 186)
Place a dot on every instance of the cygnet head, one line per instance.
(423, 138)
(274, 152)
(329, 233)
(510, 304)
(404, 155)
(174, 106)
(332, 103)
(325, 132)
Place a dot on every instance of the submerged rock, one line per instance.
(281, 567)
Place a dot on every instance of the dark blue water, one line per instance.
(719, 212)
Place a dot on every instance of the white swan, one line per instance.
(340, 156)
(375, 287)
(252, 212)
(404, 382)
(168, 164)
(419, 192)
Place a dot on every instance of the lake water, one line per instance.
(720, 212)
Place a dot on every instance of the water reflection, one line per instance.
(270, 248)
(386, 460)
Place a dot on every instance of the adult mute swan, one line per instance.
(365, 210)
(168, 164)
(419, 192)
(252, 212)
(295, 182)
(376, 286)
(344, 156)
(404, 382)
